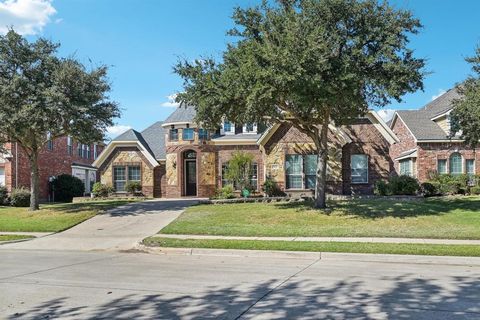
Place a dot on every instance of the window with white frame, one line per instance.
(134, 173)
(2, 176)
(228, 127)
(95, 151)
(253, 176)
(225, 181)
(456, 164)
(470, 170)
(406, 167)
(359, 168)
(250, 128)
(69, 145)
(89, 153)
(442, 166)
(49, 142)
(79, 149)
(294, 171)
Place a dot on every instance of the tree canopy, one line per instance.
(465, 117)
(309, 63)
(44, 97)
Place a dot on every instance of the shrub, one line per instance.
(101, 190)
(403, 185)
(428, 189)
(271, 189)
(67, 187)
(133, 187)
(3, 195)
(381, 188)
(475, 190)
(20, 197)
(226, 192)
(448, 184)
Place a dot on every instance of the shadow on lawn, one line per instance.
(409, 298)
(377, 209)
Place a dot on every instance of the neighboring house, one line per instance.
(58, 156)
(176, 158)
(425, 145)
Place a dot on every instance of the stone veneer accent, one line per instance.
(125, 157)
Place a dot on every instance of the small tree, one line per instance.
(239, 170)
(43, 97)
(465, 117)
(309, 63)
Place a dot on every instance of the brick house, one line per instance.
(58, 156)
(175, 158)
(424, 143)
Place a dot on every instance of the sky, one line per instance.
(141, 40)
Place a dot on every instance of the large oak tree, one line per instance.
(44, 97)
(465, 117)
(309, 63)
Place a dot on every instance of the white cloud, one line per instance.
(116, 130)
(386, 114)
(440, 92)
(170, 103)
(27, 17)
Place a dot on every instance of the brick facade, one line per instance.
(51, 163)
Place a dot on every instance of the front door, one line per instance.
(190, 177)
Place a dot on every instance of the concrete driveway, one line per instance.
(117, 229)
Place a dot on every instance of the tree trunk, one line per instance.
(34, 182)
(321, 143)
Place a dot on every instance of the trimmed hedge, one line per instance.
(67, 187)
(20, 197)
(401, 185)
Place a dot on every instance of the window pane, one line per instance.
(134, 173)
(254, 176)
(359, 167)
(294, 182)
(310, 164)
(227, 126)
(187, 134)
(202, 134)
(119, 178)
(173, 134)
(456, 164)
(294, 164)
(470, 164)
(310, 181)
(442, 166)
(406, 167)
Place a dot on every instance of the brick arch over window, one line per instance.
(456, 163)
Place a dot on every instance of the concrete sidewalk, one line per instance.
(324, 239)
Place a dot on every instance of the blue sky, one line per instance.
(142, 39)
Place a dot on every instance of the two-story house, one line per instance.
(59, 156)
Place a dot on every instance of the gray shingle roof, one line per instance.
(155, 138)
(442, 104)
(419, 123)
(183, 114)
(152, 138)
(129, 135)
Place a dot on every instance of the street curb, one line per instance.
(230, 252)
(324, 256)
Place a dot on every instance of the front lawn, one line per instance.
(349, 247)
(444, 218)
(52, 217)
(11, 237)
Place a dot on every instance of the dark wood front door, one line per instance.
(190, 178)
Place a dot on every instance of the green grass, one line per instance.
(11, 237)
(52, 217)
(449, 218)
(349, 247)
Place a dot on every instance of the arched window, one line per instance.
(456, 164)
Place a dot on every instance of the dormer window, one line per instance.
(228, 127)
(250, 128)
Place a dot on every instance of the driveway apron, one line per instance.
(117, 229)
